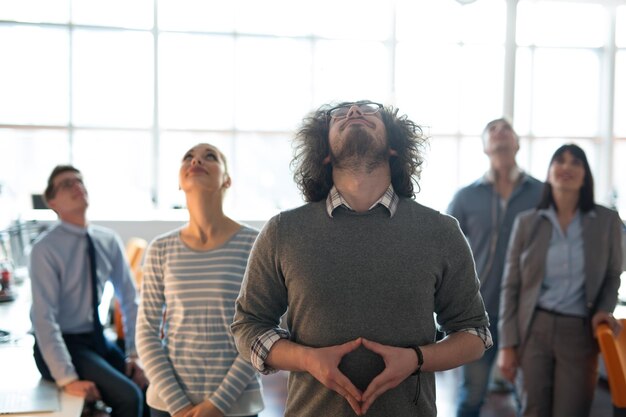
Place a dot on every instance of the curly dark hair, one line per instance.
(311, 147)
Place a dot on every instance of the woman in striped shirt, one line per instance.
(192, 277)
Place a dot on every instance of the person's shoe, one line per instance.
(500, 386)
(95, 409)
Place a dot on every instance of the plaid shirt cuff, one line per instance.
(261, 348)
(483, 333)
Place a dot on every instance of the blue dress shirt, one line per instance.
(563, 287)
(61, 290)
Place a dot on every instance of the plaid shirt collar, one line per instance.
(389, 199)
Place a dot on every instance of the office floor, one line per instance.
(497, 405)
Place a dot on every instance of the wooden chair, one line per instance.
(135, 248)
(614, 355)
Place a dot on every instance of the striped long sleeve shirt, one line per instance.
(189, 297)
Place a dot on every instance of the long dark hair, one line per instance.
(314, 178)
(585, 201)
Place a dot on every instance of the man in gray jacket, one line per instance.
(360, 269)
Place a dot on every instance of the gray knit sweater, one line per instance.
(359, 274)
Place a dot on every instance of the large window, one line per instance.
(449, 78)
(558, 84)
(619, 118)
(122, 89)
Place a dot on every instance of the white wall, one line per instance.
(153, 224)
(145, 229)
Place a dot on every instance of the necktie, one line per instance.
(98, 335)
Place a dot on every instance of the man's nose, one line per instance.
(355, 111)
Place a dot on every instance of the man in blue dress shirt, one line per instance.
(486, 210)
(69, 345)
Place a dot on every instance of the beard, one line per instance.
(503, 148)
(360, 150)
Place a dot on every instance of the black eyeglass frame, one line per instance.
(328, 112)
(67, 184)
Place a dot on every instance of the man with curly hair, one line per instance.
(359, 271)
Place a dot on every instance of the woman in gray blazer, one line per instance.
(561, 279)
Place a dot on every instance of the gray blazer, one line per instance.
(525, 268)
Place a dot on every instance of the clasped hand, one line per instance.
(135, 372)
(204, 409)
(323, 365)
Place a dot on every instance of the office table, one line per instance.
(17, 366)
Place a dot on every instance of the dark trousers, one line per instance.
(107, 371)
